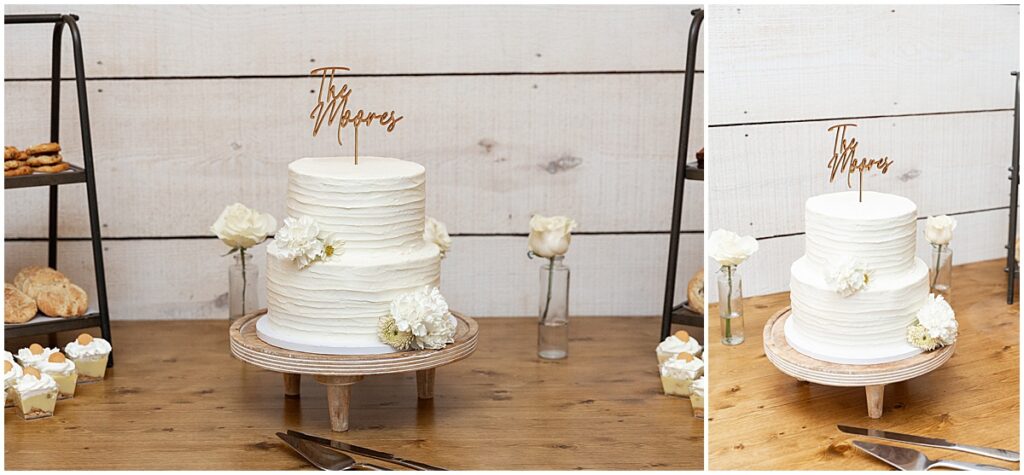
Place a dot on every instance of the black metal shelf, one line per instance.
(1012, 266)
(75, 174)
(670, 312)
(37, 327)
(682, 314)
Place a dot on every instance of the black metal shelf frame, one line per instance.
(672, 313)
(76, 174)
(1012, 266)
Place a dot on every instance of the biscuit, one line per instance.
(38, 160)
(37, 276)
(43, 149)
(12, 164)
(52, 168)
(21, 155)
(10, 152)
(22, 170)
(63, 299)
(18, 307)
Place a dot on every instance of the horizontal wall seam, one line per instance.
(369, 75)
(187, 238)
(889, 116)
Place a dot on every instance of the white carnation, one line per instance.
(424, 313)
(298, 240)
(848, 275)
(938, 318)
(729, 249)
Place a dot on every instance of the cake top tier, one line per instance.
(378, 204)
(369, 168)
(876, 206)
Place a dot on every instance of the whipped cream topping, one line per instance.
(98, 347)
(28, 359)
(63, 368)
(11, 376)
(674, 345)
(682, 369)
(28, 385)
(698, 387)
(8, 356)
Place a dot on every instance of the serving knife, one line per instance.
(323, 457)
(365, 452)
(912, 460)
(1008, 455)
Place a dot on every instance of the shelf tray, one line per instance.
(683, 315)
(43, 324)
(75, 174)
(694, 173)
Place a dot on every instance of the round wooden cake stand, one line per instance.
(340, 372)
(872, 377)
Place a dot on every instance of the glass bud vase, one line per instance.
(243, 277)
(940, 270)
(553, 325)
(730, 305)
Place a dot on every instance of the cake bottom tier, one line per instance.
(868, 327)
(337, 303)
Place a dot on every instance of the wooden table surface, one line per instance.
(177, 399)
(762, 419)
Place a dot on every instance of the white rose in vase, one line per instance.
(550, 236)
(436, 232)
(939, 229)
(241, 227)
(729, 249)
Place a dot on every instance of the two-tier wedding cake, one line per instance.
(374, 211)
(859, 284)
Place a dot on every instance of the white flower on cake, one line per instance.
(848, 275)
(300, 240)
(729, 249)
(242, 227)
(935, 325)
(419, 319)
(550, 236)
(436, 232)
(939, 229)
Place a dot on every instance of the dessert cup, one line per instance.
(34, 354)
(678, 342)
(90, 357)
(35, 395)
(64, 373)
(12, 371)
(697, 396)
(678, 374)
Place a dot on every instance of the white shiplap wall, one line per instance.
(513, 110)
(929, 86)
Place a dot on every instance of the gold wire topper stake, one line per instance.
(332, 104)
(844, 160)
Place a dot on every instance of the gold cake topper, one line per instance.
(332, 104)
(844, 159)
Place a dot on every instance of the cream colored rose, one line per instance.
(939, 229)
(729, 249)
(550, 237)
(436, 232)
(241, 227)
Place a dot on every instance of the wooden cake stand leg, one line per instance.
(425, 383)
(292, 384)
(875, 395)
(339, 398)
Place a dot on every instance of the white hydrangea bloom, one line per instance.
(848, 275)
(298, 240)
(424, 313)
(938, 318)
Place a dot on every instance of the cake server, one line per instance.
(324, 458)
(374, 454)
(1000, 454)
(910, 459)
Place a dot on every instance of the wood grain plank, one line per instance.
(945, 164)
(826, 61)
(978, 237)
(170, 154)
(482, 276)
(501, 408)
(762, 419)
(137, 40)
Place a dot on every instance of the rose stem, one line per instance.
(728, 305)
(547, 303)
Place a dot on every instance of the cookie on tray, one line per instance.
(39, 160)
(28, 278)
(10, 152)
(18, 307)
(43, 149)
(63, 299)
(20, 171)
(52, 168)
(12, 164)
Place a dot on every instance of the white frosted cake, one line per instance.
(859, 284)
(377, 208)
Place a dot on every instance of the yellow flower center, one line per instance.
(329, 250)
